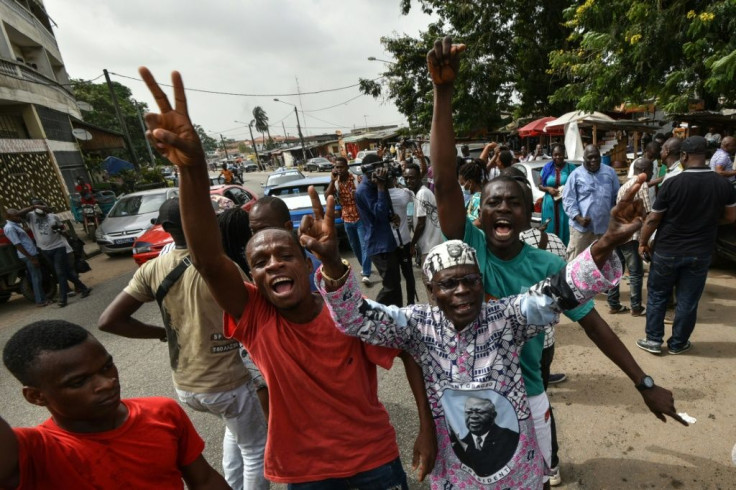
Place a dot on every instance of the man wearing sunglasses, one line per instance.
(507, 264)
(468, 349)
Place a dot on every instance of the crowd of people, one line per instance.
(291, 370)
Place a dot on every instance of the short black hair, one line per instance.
(472, 170)
(341, 160)
(26, 344)
(413, 166)
(510, 176)
(507, 158)
(276, 206)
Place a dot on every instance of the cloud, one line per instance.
(259, 46)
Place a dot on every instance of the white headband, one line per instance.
(448, 254)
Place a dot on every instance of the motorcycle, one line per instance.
(91, 217)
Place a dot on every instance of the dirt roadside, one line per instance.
(609, 439)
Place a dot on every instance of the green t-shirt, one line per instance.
(510, 277)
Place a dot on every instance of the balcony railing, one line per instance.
(26, 14)
(23, 72)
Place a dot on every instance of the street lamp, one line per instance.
(253, 141)
(373, 58)
(298, 127)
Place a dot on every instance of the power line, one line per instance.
(333, 106)
(215, 92)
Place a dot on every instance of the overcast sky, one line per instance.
(251, 46)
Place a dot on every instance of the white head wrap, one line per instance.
(448, 254)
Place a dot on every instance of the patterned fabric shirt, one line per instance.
(479, 363)
(643, 194)
(346, 196)
(721, 159)
(533, 237)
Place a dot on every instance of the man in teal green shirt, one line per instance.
(502, 256)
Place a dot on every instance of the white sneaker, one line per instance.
(366, 280)
(555, 479)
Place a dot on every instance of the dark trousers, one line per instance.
(687, 274)
(407, 270)
(630, 253)
(390, 475)
(388, 268)
(58, 257)
(548, 355)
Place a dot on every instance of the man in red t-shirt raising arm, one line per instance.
(326, 425)
(93, 439)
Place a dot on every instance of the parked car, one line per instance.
(281, 176)
(148, 246)
(294, 194)
(249, 166)
(237, 193)
(129, 218)
(362, 154)
(319, 164)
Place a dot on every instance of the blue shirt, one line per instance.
(375, 210)
(722, 159)
(590, 195)
(17, 235)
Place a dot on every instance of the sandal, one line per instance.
(638, 312)
(620, 309)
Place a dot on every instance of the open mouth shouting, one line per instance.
(503, 229)
(282, 286)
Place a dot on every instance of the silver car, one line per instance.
(129, 218)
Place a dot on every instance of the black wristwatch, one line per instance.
(646, 383)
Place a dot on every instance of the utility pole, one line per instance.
(227, 157)
(255, 149)
(126, 134)
(301, 138)
(143, 127)
(283, 126)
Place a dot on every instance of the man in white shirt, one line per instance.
(427, 233)
(47, 230)
(400, 199)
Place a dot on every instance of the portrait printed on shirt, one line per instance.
(484, 431)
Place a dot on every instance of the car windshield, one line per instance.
(134, 205)
(320, 160)
(299, 190)
(283, 178)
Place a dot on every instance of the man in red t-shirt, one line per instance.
(326, 424)
(93, 438)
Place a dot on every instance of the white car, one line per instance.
(362, 154)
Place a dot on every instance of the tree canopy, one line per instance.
(537, 58)
(103, 114)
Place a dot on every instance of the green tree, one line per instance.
(208, 142)
(503, 69)
(667, 51)
(104, 116)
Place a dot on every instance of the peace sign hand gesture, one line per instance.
(443, 61)
(171, 131)
(317, 232)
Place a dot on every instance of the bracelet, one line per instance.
(334, 282)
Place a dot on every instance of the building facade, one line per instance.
(39, 155)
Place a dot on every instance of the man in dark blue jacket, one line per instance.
(374, 206)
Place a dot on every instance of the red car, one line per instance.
(148, 246)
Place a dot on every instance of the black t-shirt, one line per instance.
(692, 203)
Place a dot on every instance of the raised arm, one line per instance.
(173, 135)
(9, 469)
(443, 62)
(199, 475)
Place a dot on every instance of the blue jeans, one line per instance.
(687, 275)
(57, 256)
(630, 252)
(36, 279)
(386, 477)
(356, 237)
